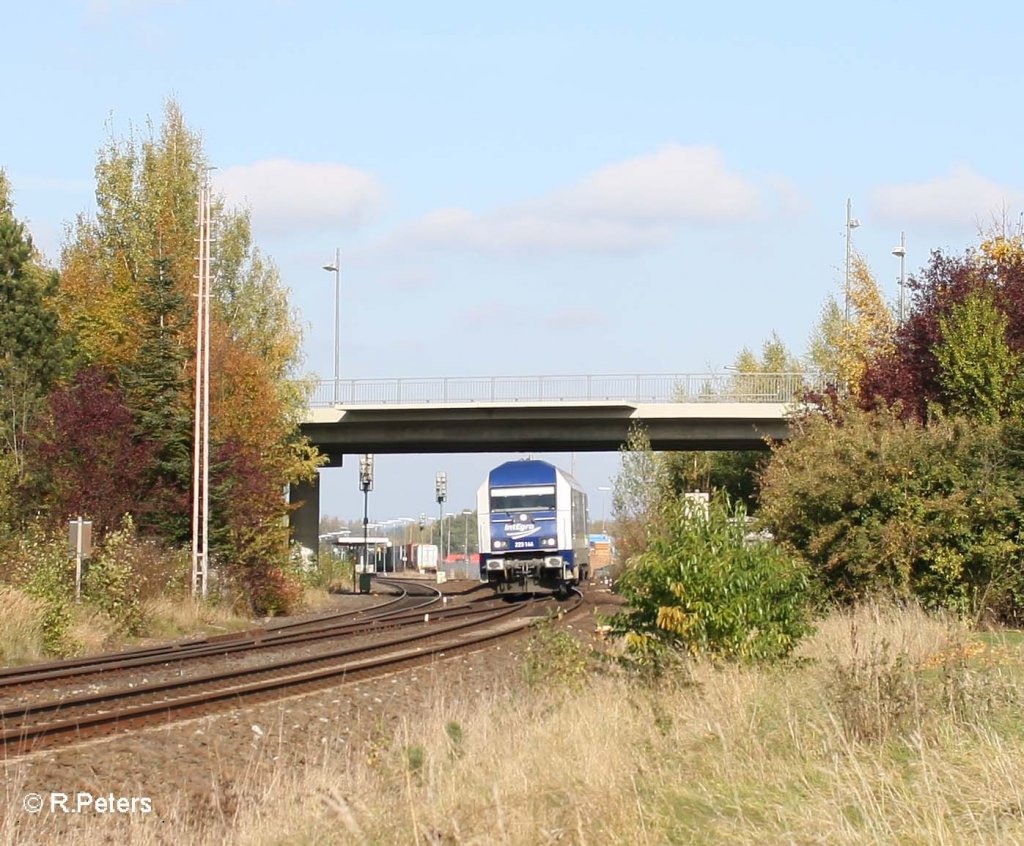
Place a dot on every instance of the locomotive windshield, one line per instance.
(532, 498)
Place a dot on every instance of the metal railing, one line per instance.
(679, 387)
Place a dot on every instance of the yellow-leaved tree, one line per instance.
(842, 347)
(128, 295)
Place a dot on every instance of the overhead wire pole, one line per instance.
(201, 425)
(206, 397)
(197, 423)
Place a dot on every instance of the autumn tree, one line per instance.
(843, 347)
(89, 458)
(775, 357)
(913, 371)
(128, 291)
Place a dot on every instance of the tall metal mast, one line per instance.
(201, 427)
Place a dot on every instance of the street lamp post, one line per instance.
(851, 224)
(336, 268)
(365, 485)
(901, 251)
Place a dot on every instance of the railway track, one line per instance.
(410, 598)
(390, 614)
(411, 636)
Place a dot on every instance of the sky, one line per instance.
(539, 187)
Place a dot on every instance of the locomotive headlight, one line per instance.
(548, 541)
(499, 544)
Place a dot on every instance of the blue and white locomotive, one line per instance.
(532, 528)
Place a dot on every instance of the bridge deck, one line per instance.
(541, 426)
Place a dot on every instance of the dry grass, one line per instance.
(176, 616)
(847, 634)
(727, 755)
(315, 599)
(21, 629)
(21, 637)
(92, 631)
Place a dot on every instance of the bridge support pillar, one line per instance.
(304, 518)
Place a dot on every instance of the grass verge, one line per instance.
(891, 727)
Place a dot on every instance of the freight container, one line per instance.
(424, 557)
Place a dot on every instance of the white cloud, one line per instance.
(963, 197)
(674, 183)
(625, 206)
(288, 196)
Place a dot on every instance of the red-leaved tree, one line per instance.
(910, 372)
(86, 461)
(249, 528)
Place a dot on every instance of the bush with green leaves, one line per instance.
(45, 571)
(110, 582)
(880, 505)
(702, 587)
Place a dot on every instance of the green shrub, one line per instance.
(878, 505)
(331, 571)
(702, 588)
(110, 582)
(44, 570)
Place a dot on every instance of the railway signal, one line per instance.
(365, 485)
(441, 493)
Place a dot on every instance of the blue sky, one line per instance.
(540, 187)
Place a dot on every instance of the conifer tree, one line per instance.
(157, 389)
(31, 351)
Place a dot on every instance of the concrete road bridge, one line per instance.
(692, 411)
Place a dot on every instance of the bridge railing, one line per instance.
(731, 386)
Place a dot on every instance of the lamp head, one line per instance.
(331, 267)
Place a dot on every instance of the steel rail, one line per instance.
(141, 656)
(65, 703)
(20, 737)
(274, 640)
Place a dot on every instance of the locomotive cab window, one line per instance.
(526, 498)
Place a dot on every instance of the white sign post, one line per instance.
(80, 541)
